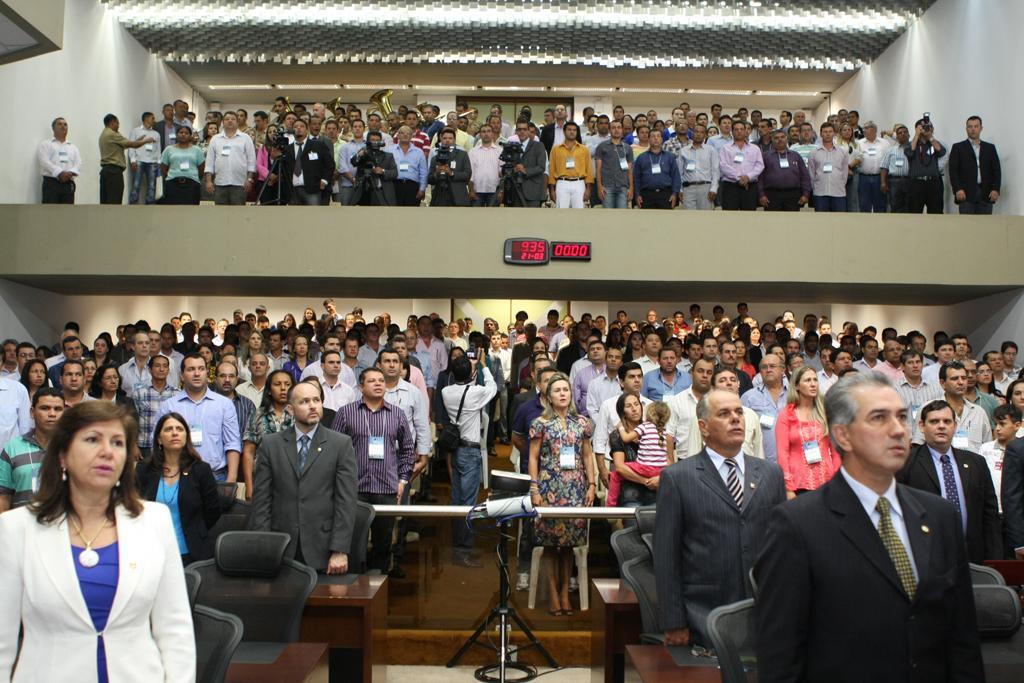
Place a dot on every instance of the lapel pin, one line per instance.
(925, 529)
(753, 485)
(966, 466)
(318, 450)
(132, 565)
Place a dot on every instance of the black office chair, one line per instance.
(998, 612)
(217, 637)
(234, 516)
(645, 518)
(627, 544)
(733, 635)
(365, 515)
(638, 573)
(982, 575)
(192, 582)
(250, 578)
(753, 583)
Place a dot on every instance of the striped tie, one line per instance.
(733, 482)
(894, 546)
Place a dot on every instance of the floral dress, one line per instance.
(561, 487)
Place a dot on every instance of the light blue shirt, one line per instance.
(760, 401)
(168, 495)
(348, 150)
(412, 165)
(869, 499)
(217, 418)
(956, 476)
(657, 389)
(723, 470)
(299, 435)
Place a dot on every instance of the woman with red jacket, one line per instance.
(805, 452)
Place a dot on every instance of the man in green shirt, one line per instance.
(112, 161)
(23, 455)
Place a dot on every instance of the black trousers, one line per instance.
(656, 199)
(783, 200)
(380, 532)
(899, 189)
(56, 192)
(111, 184)
(736, 198)
(181, 191)
(925, 194)
(405, 193)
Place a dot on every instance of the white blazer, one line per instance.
(149, 635)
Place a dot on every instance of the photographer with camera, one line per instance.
(531, 166)
(307, 169)
(485, 160)
(375, 173)
(923, 153)
(450, 171)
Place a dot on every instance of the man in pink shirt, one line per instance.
(891, 366)
(741, 165)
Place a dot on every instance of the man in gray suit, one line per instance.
(305, 485)
(713, 511)
(531, 167)
(450, 180)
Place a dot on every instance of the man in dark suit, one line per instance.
(959, 476)
(1012, 488)
(450, 179)
(865, 579)
(974, 171)
(305, 485)
(548, 137)
(713, 509)
(532, 166)
(381, 179)
(311, 163)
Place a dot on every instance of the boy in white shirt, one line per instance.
(1008, 421)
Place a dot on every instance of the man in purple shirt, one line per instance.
(741, 166)
(785, 184)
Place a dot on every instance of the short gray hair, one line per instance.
(704, 404)
(870, 124)
(841, 406)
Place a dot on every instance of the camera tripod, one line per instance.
(442, 194)
(371, 192)
(511, 189)
(275, 193)
(502, 613)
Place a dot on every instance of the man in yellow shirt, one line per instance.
(571, 171)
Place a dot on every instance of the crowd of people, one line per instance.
(409, 156)
(153, 418)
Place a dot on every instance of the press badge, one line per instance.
(960, 439)
(404, 166)
(376, 451)
(567, 458)
(149, 146)
(452, 165)
(767, 421)
(656, 169)
(570, 163)
(225, 151)
(313, 156)
(783, 162)
(872, 152)
(826, 167)
(623, 164)
(899, 163)
(812, 454)
(691, 165)
(35, 480)
(62, 155)
(196, 431)
(183, 165)
(738, 159)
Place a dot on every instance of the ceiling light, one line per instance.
(359, 86)
(738, 93)
(234, 86)
(655, 91)
(786, 93)
(581, 90)
(307, 86)
(443, 88)
(512, 88)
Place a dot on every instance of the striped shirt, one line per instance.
(147, 403)
(379, 475)
(652, 452)
(914, 398)
(19, 462)
(244, 408)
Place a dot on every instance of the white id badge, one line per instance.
(767, 421)
(63, 156)
(404, 166)
(872, 152)
(899, 163)
(826, 167)
(183, 165)
(570, 163)
(960, 439)
(225, 151)
(783, 162)
(656, 169)
(914, 410)
(567, 458)
(138, 385)
(35, 480)
(691, 165)
(738, 159)
(623, 164)
(149, 146)
(812, 454)
(452, 165)
(313, 156)
(376, 451)
(196, 430)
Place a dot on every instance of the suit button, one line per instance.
(913, 663)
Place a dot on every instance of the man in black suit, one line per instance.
(305, 485)
(959, 476)
(974, 171)
(450, 179)
(713, 509)
(308, 169)
(374, 186)
(551, 134)
(865, 579)
(1012, 488)
(531, 167)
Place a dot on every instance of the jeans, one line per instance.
(615, 198)
(466, 474)
(830, 204)
(221, 474)
(147, 172)
(870, 197)
(483, 199)
(977, 205)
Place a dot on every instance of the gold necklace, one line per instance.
(88, 558)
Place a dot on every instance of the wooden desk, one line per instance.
(353, 621)
(654, 664)
(616, 623)
(299, 663)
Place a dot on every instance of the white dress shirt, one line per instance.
(477, 398)
(870, 154)
(683, 407)
(55, 157)
(315, 370)
(338, 395)
(869, 500)
(149, 153)
(231, 159)
(411, 401)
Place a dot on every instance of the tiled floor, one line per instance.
(440, 674)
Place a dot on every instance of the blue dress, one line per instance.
(99, 584)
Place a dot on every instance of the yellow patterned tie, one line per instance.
(895, 548)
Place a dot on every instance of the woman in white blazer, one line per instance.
(91, 572)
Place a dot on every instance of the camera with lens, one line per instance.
(280, 141)
(511, 154)
(926, 122)
(444, 155)
(373, 155)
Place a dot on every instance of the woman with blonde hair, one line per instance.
(801, 436)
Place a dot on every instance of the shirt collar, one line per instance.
(937, 455)
(719, 459)
(299, 434)
(868, 498)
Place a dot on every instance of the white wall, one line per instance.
(960, 58)
(101, 70)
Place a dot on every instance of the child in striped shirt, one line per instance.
(656, 449)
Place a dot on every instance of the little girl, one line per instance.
(656, 450)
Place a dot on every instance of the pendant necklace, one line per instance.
(88, 558)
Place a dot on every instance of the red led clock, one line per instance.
(531, 251)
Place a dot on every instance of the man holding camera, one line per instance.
(486, 164)
(923, 153)
(531, 166)
(375, 173)
(450, 171)
(308, 169)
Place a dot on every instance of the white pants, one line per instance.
(569, 194)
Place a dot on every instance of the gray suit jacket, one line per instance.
(317, 506)
(704, 545)
(535, 161)
(459, 181)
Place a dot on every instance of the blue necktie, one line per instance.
(303, 451)
(949, 484)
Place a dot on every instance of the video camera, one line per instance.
(373, 156)
(511, 155)
(280, 140)
(444, 155)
